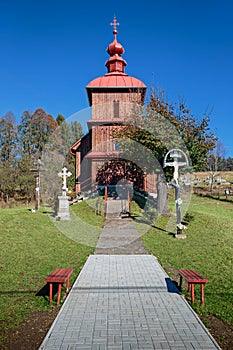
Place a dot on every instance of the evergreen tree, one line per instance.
(35, 130)
(8, 154)
(8, 138)
(60, 119)
(229, 164)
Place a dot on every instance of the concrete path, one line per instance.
(115, 207)
(126, 302)
(119, 235)
(123, 299)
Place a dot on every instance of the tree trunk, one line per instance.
(162, 203)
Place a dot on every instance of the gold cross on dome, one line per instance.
(114, 23)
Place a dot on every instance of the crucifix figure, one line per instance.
(64, 174)
(176, 154)
(176, 166)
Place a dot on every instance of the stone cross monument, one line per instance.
(63, 212)
(64, 174)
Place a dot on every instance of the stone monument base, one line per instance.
(63, 212)
(180, 236)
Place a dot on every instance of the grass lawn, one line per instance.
(207, 249)
(32, 247)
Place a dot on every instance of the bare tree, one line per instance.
(214, 161)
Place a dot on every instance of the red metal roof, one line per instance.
(103, 155)
(116, 80)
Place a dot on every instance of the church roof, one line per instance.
(116, 76)
(116, 80)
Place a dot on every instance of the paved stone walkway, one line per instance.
(122, 300)
(119, 235)
(126, 302)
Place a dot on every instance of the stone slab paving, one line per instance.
(115, 207)
(119, 236)
(126, 302)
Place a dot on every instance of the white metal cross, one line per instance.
(114, 23)
(175, 154)
(64, 174)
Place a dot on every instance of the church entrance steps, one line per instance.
(116, 208)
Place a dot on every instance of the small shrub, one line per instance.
(188, 217)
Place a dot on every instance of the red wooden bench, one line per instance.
(193, 277)
(59, 276)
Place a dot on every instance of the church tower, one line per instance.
(112, 97)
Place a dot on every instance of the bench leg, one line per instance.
(202, 293)
(67, 284)
(59, 293)
(50, 292)
(192, 292)
(180, 285)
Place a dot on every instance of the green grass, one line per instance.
(85, 226)
(207, 249)
(32, 246)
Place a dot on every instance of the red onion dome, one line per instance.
(115, 48)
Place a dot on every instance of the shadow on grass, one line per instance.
(48, 212)
(44, 291)
(140, 219)
(215, 197)
(52, 214)
(17, 292)
(161, 229)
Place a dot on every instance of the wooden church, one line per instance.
(112, 97)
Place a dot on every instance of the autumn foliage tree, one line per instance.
(163, 126)
(21, 146)
(56, 155)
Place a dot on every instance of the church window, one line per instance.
(116, 146)
(116, 109)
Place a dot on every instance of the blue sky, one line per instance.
(51, 49)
